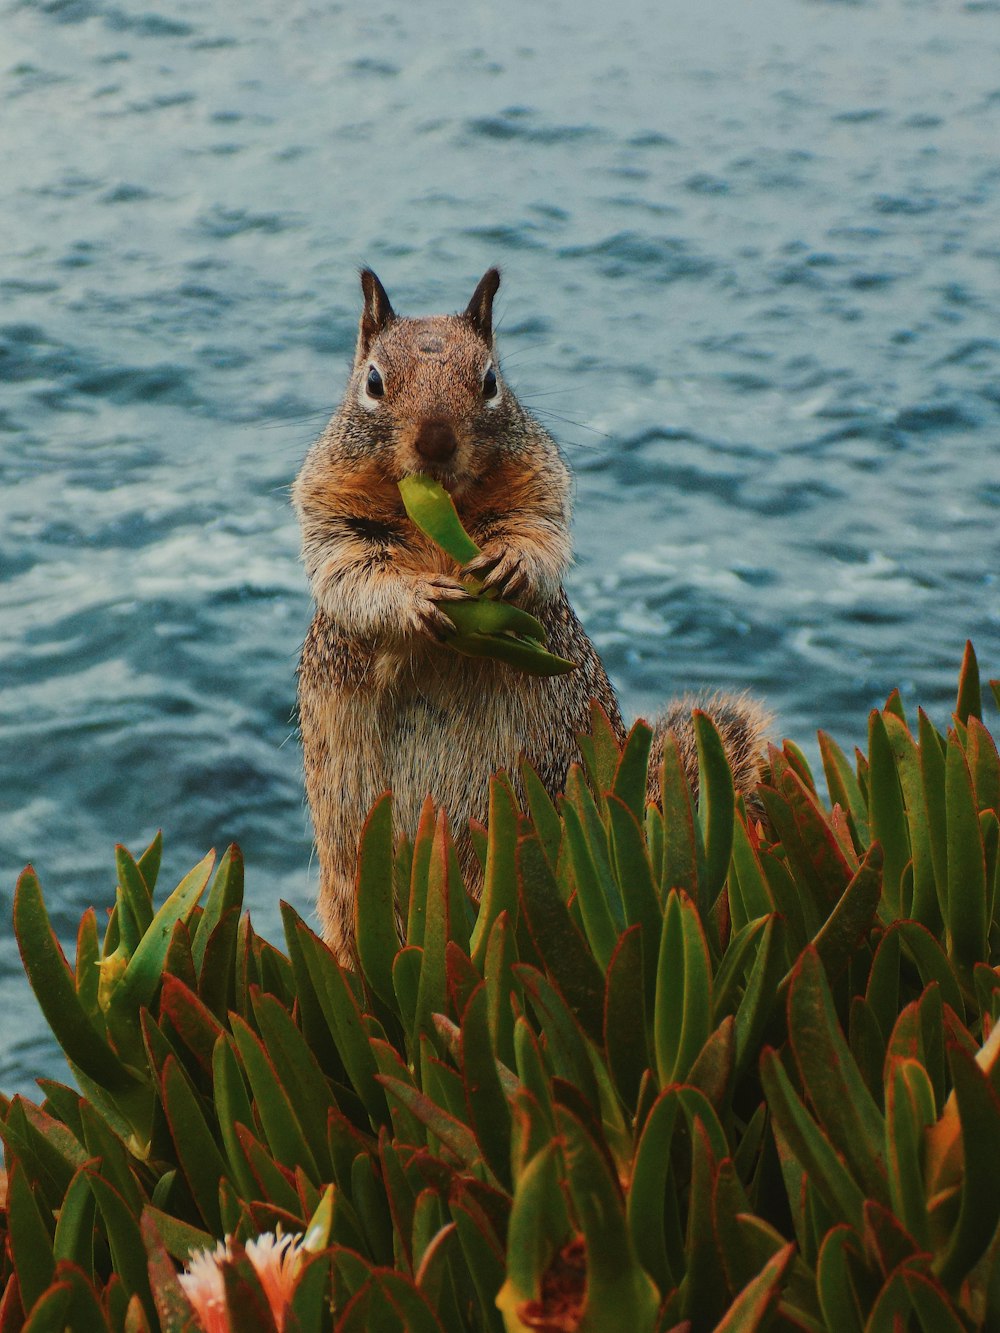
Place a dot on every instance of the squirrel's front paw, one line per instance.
(425, 613)
(502, 571)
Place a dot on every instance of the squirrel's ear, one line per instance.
(377, 314)
(479, 311)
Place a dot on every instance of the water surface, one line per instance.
(752, 283)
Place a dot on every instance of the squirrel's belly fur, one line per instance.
(429, 722)
(384, 704)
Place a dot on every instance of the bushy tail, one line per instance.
(741, 720)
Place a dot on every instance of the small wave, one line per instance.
(524, 124)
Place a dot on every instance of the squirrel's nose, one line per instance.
(435, 441)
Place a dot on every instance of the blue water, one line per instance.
(752, 283)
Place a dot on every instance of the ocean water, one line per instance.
(751, 262)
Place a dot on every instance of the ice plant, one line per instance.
(678, 1067)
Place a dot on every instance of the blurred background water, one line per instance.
(752, 283)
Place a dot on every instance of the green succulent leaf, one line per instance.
(30, 1239)
(375, 917)
(682, 1014)
(432, 509)
(979, 1113)
(142, 976)
(831, 1078)
(53, 984)
(716, 798)
(759, 1297)
(619, 1291)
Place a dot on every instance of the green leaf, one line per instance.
(604, 752)
(716, 797)
(680, 852)
(683, 1011)
(839, 936)
(485, 615)
(343, 1015)
(811, 845)
(969, 702)
(53, 985)
(456, 1137)
(979, 1114)
(625, 1015)
(522, 654)
(592, 818)
(967, 890)
(909, 1112)
(299, 1073)
(116, 1163)
(225, 895)
(544, 814)
(619, 1292)
(638, 883)
(836, 1089)
(124, 1239)
(195, 1024)
(375, 908)
(501, 987)
(406, 984)
(539, 1225)
(759, 1297)
(488, 1109)
(48, 1314)
(181, 1239)
(749, 895)
(594, 893)
(653, 1202)
(702, 1293)
(483, 1263)
(232, 1108)
(197, 1152)
(888, 816)
(74, 1238)
(810, 1147)
(761, 993)
(432, 509)
(984, 761)
(30, 1238)
(218, 972)
(932, 768)
(500, 877)
(142, 977)
(629, 783)
(281, 1126)
(572, 965)
(844, 788)
(840, 1254)
(443, 909)
(566, 1045)
(134, 888)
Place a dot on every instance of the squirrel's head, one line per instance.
(430, 393)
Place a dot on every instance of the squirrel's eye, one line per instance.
(373, 384)
(490, 383)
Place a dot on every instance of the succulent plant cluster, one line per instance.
(686, 1066)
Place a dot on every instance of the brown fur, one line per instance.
(383, 703)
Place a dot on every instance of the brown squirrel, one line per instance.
(383, 703)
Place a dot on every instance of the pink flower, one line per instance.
(276, 1261)
(205, 1289)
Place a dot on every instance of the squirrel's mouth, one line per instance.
(452, 478)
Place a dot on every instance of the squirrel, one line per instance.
(383, 702)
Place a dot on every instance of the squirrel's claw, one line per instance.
(427, 616)
(502, 573)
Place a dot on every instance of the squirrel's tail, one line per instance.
(742, 722)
